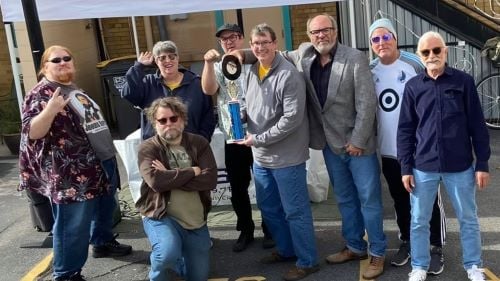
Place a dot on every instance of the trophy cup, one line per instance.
(231, 68)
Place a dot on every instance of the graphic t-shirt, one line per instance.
(92, 121)
(185, 207)
(390, 81)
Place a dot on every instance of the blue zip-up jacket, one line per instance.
(441, 124)
(142, 89)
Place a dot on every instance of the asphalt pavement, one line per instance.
(33, 263)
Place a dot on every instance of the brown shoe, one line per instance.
(375, 268)
(276, 258)
(344, 256)
(297, 273)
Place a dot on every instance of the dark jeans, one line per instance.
(392, 173)
(101, 230)
(239, 160)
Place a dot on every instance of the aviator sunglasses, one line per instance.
(58, 59)
(163, 121)
(427, 52)
(385, 37)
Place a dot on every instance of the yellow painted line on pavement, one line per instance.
(39, 269)
(490, 275)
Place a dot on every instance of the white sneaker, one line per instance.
(475, 274)
(417, 275)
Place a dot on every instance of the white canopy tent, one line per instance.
(12, 10)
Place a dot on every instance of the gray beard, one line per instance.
(324, 49)
(172, 137)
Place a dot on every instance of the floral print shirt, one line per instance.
(62, 165)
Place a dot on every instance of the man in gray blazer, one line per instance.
(341, 104)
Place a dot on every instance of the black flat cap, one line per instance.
(230, 27)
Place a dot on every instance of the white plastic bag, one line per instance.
(318, 181)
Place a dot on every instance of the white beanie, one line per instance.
(382, 23)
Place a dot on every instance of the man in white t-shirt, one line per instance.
(391, 70)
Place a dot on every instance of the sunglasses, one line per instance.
(427, 52)
(169, 56)
(385, 37)
(58, 59)
(163, 121)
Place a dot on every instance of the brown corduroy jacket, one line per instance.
(156, 185)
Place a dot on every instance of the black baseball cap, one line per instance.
(230, 27)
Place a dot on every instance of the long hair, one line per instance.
(46, 55)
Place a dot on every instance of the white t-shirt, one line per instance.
(390, 81)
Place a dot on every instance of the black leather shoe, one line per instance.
(111, 249)
(268, 242)
(243, 241)
(75, 277)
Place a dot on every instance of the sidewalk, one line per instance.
(226, 265)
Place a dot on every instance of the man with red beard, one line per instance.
(71, 161)
(179, 171)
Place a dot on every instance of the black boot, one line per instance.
(243, 241)
(111, 249)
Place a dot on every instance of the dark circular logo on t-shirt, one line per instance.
(388, 100)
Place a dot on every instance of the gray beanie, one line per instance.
(382, 23)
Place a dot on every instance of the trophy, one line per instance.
(231, 68)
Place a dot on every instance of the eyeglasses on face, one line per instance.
(427, 52)
(231, 38)
(169, 56)
(385, 37)
(262, 44)
(324, 31)
(58, 59)
(172, 119)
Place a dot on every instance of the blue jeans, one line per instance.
(357, 188)
(461, 190)
(283, 200)
(102, 224)
(173, 245)
(71, 233)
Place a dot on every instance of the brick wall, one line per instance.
(5, 68)
(118, 36)
(299, 15)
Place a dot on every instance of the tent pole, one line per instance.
(15, 67)
(136, 40)
(34, 31)
(352, 24)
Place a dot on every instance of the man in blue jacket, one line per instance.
(441, 126)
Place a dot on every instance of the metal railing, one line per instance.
(487, 8)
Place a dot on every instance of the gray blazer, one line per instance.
(348, 115)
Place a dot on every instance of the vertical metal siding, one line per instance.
(409, 27)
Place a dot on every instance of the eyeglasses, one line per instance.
(229, 39)
(262, 44)
(169, 56)
(324, 31)
(58, 59)
(427, 52)
(385, 37)
(172, 119)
